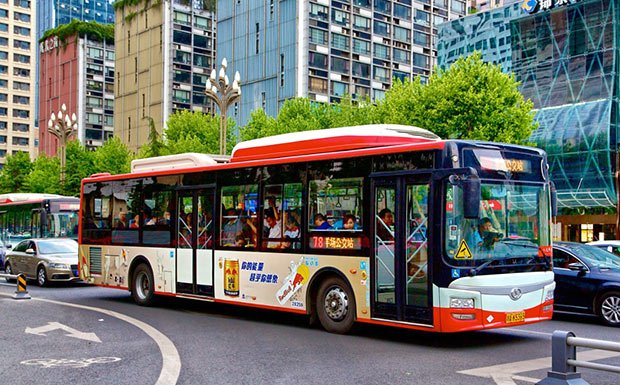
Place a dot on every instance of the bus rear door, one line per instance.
(194, 253)
(401, 284)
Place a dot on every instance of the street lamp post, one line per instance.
(223, 94)
(62, 127)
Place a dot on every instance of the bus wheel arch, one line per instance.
(330, 285)
(141, 281)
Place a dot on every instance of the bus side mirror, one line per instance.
(471, 197)
(554, 199)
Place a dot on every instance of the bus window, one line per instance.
(96, 213)
(126, 212)
(335, 205)
(282, 215)
(238, 221)
(157, 211)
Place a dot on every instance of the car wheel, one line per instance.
(8, 270)
(143, 287)
(335, 306)
(42, 276)
(609, 308)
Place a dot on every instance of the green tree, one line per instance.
(260, 125)
(15, 173)
(80, 164)
(469, 100)
(189, 131)
(45, 176)
(349, 113)
(113, 157)
(155, 145)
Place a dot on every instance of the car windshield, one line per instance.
(57, 246)
(596, 256)
(512, 228)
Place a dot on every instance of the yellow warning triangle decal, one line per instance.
(464, 252)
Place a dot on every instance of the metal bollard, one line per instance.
(561, 373)
(21, 292)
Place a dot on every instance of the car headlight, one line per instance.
(59, 266)
(462, 303)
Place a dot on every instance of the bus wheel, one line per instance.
(335, 306)
(8, 270)
(143, 290)
(42, 276)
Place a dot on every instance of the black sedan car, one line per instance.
(587, 281)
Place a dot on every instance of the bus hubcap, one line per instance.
(611, 309)
(336, 303)
(142, 285)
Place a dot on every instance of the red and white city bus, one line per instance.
(380, 224)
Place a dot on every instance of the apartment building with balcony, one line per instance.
(164, 54)
(326, 50)
(17, 79)
(77, 70)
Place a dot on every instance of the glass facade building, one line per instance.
(565, 60)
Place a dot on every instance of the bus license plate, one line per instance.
(515, 317)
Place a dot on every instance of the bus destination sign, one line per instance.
(335, 243)
(504, 164)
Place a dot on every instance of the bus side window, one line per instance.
(238, 218)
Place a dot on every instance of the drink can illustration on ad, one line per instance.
(231, 277)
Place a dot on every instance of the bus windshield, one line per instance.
(513, 225)
(62, 225)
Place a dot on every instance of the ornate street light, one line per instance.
(62, 127)
(223, 94)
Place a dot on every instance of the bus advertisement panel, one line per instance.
(380, 224)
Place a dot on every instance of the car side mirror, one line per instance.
(9, 246)
(30, 251)
(576, 266)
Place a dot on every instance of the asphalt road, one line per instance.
(79, 334)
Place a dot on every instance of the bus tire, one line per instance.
(335, 305)
(8, 269)
(143, 285)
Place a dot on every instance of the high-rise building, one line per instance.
(17, 79)
(565, 57)
(77, 70)
(164, 55)
(52, 13)
(326, 50)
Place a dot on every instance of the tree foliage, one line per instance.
(45, 176)
(469, 100)
(113, 157)
(79, 165)
(15, 173)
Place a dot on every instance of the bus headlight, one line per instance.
(59, 266)
(462, 303)
(549, 296)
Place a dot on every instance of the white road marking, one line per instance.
(68, 363)
(41, 330)
(171, 367)
(505, 374)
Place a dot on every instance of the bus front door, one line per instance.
(401, 284)
(194, 254)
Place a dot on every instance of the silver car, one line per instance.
(54, 259)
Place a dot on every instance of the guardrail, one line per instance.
(20, 291)
(564, 360)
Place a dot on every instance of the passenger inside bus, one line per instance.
(349, 222)
(320, 222)
(291, 234)
(232, 227)
(274, 231)
(121, 223)
(385, 225)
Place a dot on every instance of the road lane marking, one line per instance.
(505, 374)
(68, 363)
(41, 330)
(171, 366)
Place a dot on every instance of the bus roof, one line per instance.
(22, 198)
(330, 140)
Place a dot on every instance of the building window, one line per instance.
(340, 65)
(21, 86)
(382, 51)
(402, 12)
(318, 85)
(17, 99)
(4, 98)
(257, 37)
(402, 34)
(24, 59)
(94, 102)
(381, 28)
(318, 12)
(271, 9)
(401, 56)
(4, 70)
(4, 42)
(263, 97)
(18, 141)
(318, 36)
(281, 70)
(22, 114)
(361, 22)
(135, 63)
(143, 105)
(361, 47)
(317, 60)
(23, 17)
(21, 127)
(4, 111)
(95, 53)
(20, 44)
(23, 31)
(128, 42)
(340, 89)
(340, 18)
(340, 42)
